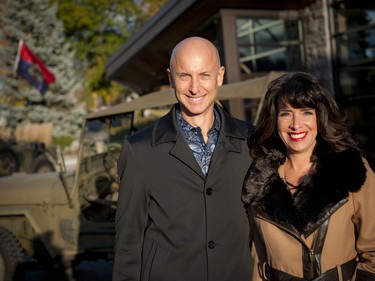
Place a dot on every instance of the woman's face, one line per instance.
(297, 128)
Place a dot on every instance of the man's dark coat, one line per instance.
(172, 222)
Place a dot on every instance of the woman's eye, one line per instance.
(309, 112)
(284, 114)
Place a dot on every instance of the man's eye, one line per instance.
(206, 76)
(184, 77)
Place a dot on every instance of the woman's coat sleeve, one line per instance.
(364, 220)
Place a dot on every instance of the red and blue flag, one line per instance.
(32, 69)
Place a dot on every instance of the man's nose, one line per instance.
(195, 86)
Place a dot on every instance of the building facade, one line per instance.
(334, 39)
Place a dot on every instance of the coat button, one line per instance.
(211, 244)
(209, 191)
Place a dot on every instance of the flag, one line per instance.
(32, 69)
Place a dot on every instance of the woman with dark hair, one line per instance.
(309, 191)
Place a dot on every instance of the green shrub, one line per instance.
(63, 141)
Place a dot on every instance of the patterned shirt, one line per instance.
(193, 135)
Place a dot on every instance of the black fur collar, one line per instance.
(323, 192)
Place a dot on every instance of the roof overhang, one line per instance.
(141, 62)
(238, 90)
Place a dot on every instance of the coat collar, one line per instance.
(166, 130)
(230, 138)
(323, 192)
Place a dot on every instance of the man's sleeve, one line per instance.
(131, 217)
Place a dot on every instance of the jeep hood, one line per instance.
(42, 188)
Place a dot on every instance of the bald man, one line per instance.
(180, 215)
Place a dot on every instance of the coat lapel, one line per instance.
(224, 146)
(166, 130)
(182, 152)
(229, 141)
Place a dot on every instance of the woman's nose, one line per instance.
(296, 123)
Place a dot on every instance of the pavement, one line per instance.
(85, 271)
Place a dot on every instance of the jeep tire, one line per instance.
(11, 255)
(42, 164)
(8, 162)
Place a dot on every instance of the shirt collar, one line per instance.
(186, 127)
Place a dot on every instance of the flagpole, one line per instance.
(20, 43)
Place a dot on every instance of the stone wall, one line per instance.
(317, 41)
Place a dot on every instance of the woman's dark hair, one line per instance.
(300, 90)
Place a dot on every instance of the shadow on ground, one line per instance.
(86, 271)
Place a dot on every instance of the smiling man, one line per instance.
(180, 215)
(195, 74)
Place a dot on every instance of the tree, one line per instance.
(35, 22)
(96, 29)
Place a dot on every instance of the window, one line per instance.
(266, 44)
(354, 65)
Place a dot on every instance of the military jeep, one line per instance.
(68, 216)
(63, 217)
(26, 156)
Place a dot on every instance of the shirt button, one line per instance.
(209, 191)
(211, 244)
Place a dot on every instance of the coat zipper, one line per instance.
(311, 259)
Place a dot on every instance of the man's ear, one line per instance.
(220, 76)
(170, 77)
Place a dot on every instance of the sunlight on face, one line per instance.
(297, 128)
(196, 75)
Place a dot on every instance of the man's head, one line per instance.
(195, 74)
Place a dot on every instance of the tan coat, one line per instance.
(342, 190)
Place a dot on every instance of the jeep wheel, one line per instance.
(42, 164)
(11, 255)
(8, 162)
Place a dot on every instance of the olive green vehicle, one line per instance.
(69, 216)
(26, 156)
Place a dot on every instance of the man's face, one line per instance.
(196, 75)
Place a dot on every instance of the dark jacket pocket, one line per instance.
(154, 261)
